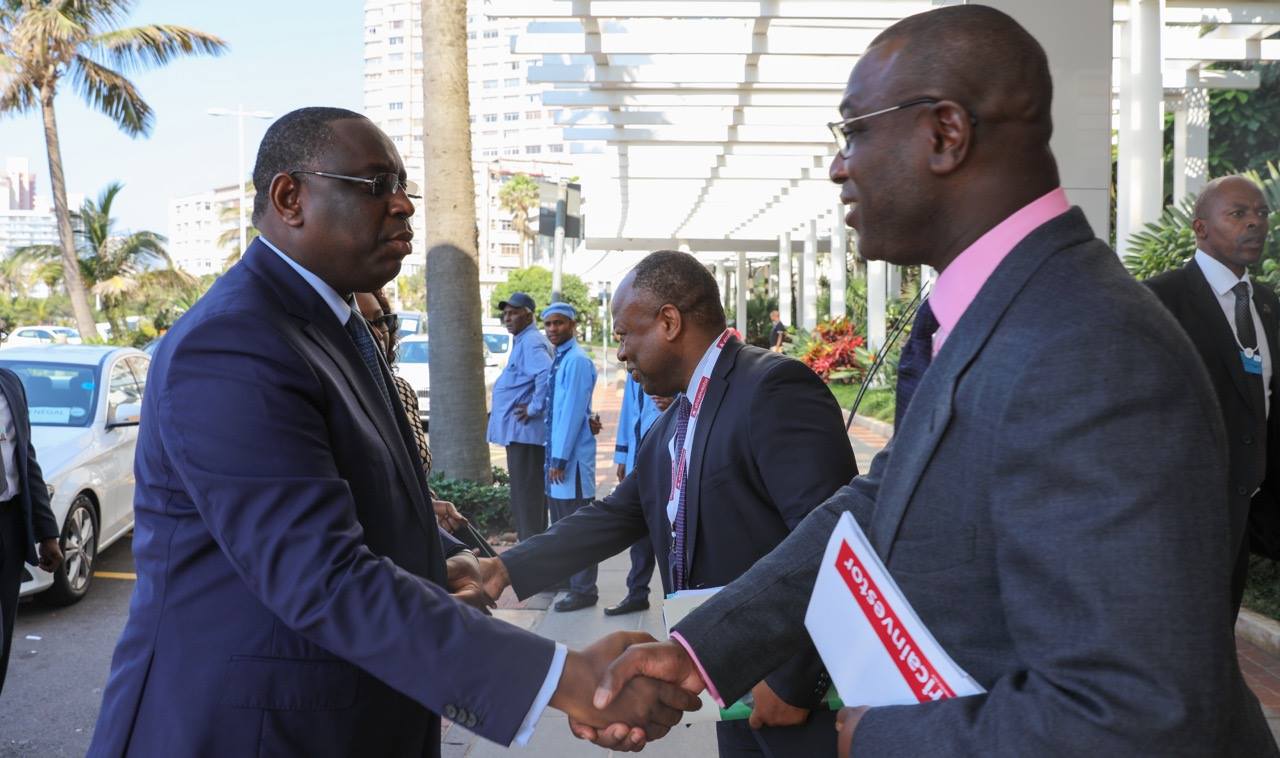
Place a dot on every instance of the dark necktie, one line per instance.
(369, 354)
(1244, 317)
(915, 359)
(682, 469)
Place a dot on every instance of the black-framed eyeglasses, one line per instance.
(380, 185)
(840, 129)
(388, 321)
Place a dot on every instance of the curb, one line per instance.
(874, 426)
(1260, 630)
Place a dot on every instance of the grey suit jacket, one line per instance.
(1053, 505)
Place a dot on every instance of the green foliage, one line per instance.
(536, 281)
(1262, 587)
(487, 506)
(877, 402)
(413, 293)
(519, 196)
(759, 306)
(1170, 241)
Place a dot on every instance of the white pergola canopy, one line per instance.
(708, 117)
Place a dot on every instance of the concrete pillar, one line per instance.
(1139, 172)
(1077, 36)
(809, 277)
(744, 287)
(877, 285)
(839, 263)
(1191, 144)
(784, 279)
(893, 286)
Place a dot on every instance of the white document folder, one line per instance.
(873, 644)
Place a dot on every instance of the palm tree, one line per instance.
(453, 276)
(518, 196)
(44, 41)
(230, 238)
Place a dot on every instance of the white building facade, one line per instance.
(202, 230)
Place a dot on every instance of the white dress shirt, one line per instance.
(1221, 280)
(8, 451)
(342, 311)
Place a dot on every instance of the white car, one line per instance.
(85, 402)
(43, 334)
(499, 341)
(413, 355)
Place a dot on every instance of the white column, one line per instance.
(784, 278)
(744, 286)
(1140, 176)
(893, 287)
(839, 263)
(809, 279)
(1191, 144)
(1077, 36)
(877, 283)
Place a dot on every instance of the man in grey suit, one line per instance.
(1053, 503)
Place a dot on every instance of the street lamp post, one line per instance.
(240, 113)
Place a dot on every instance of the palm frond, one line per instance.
(116, 286)
(111, 93)
(138, 48)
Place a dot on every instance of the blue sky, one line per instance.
(283, 54)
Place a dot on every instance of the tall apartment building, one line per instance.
(17, 186)
(197, 225)
(25, 217)
(511, 131)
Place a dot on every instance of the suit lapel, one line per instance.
(1217, 336)
(14, 396)
(321, 327)
(716, 387)
(933, 403)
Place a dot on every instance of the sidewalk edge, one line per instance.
(1260, 630)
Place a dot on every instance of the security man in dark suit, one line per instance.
(25, 517)
(758, 440)
(1233, 323)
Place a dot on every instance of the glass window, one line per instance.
(412, 352)
(58, 394)
(122, 387)
(498, 343)
(139, 364)
(511, 116)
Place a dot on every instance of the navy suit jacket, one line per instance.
(771, 447)
(289, 596)
(33, 495)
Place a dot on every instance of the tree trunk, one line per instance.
(70, 261)
(458, 420)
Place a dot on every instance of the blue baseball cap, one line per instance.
(518, 300)
(561, 308)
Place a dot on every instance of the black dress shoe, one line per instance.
(575, 601)
(629, 604)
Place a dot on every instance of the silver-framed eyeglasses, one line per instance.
(840, 129)
(380, 185)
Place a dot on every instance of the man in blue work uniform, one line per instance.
(571, 448)
(638, 413)
(517, 419)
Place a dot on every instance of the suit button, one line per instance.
(1242, 491)
(1247, 439)
(471, 720)
(450, 712)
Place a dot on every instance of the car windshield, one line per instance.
(58, 394)
(497, 343)
(408, 325)
(413, 352)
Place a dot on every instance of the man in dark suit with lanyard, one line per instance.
(740, 458)
(25, 517)
(1233, 323)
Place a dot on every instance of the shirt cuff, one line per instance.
(544, 695)
(711, 688)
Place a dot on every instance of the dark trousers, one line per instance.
(12, 555)
(583, 582)
(528, 495)
(642, 563)
(816, 738)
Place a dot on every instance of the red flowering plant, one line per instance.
(833, 351)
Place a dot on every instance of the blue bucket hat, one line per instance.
(561, 308)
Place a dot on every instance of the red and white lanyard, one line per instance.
(680, 459)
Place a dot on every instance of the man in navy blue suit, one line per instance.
(291, 594)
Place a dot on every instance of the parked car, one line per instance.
(413, 363)
(411, 323)
(85, 402)
(499, 342)
(44, 334)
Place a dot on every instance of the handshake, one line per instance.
(622, 691)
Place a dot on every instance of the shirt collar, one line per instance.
(705, 365)
(959, 283)
(1220, 278)
(341, 307)
(567, 346)
(532, 327)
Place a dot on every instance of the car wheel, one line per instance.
(79, 553)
